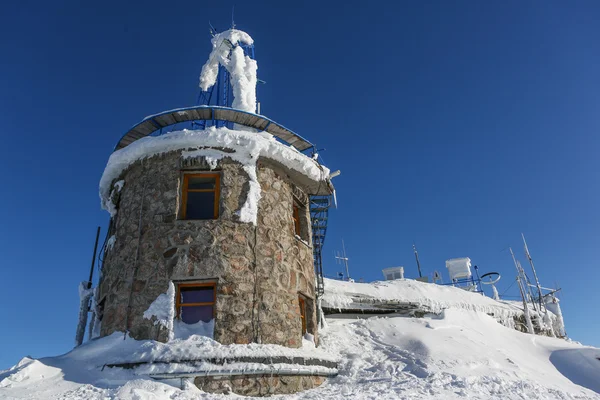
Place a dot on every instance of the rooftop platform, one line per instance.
(201, 114)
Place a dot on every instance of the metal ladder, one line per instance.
(319, 212)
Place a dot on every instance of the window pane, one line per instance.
(198, 294)
(199, 182)
(193, 314)
(200, 205)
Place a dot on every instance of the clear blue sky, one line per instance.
(457, 125)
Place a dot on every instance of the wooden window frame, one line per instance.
(179, 304)
(302, 304)
(185, 190)
(296, 217)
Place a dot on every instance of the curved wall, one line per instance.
(260, 270)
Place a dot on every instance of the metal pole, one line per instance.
(345, 260)
(89, 285)
(478, 279)
(417, 258)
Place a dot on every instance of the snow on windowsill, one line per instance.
(304, 242)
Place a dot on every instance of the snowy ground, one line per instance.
(459, 354)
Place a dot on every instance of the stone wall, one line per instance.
(259, 269)
(259, 386)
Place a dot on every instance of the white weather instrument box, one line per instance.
(459, 268)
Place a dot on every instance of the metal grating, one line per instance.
(319, 213)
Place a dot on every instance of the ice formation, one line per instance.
(163, 309)
(242, 69)
(108, 205)
(247, 148)
(110, 243)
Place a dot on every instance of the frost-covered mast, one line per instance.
(537, 282)
(523, 294)
(228, 78)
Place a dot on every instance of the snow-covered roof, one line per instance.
(246, 148)
(429, 297)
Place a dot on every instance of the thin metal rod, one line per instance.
(345, 260)
(417, 258)
(89, 285)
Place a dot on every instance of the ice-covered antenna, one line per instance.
(523, 295)
(232, 21)
(213, 31)
(342, 258)
(537, 282)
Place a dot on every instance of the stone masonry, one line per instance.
(260, 270)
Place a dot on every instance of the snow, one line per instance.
(242, 69)
(163, 309)
(246, 148)
(185, 331)
(85, 294)
(110, 243)
(459, 354)
(108, 205)
(459, 268)
(553, 305)
(429, 297)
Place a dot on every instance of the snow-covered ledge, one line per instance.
(242, 146)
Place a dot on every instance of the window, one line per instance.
(196, 302)
(200, 196)
(301, 221)
(296, 217)
(302, 303)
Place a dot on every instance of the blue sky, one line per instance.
(456, 125)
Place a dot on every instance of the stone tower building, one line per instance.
(212, 210)
(218, 219)
(210, 228)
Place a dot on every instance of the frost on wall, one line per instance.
(163, 309)
(242, 69)
(247, 147)
(108, 203)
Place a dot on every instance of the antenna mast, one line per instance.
(343, 258)
(537, 282)
(417, 258)
(523, 296)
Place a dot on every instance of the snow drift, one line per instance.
(459, 354)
